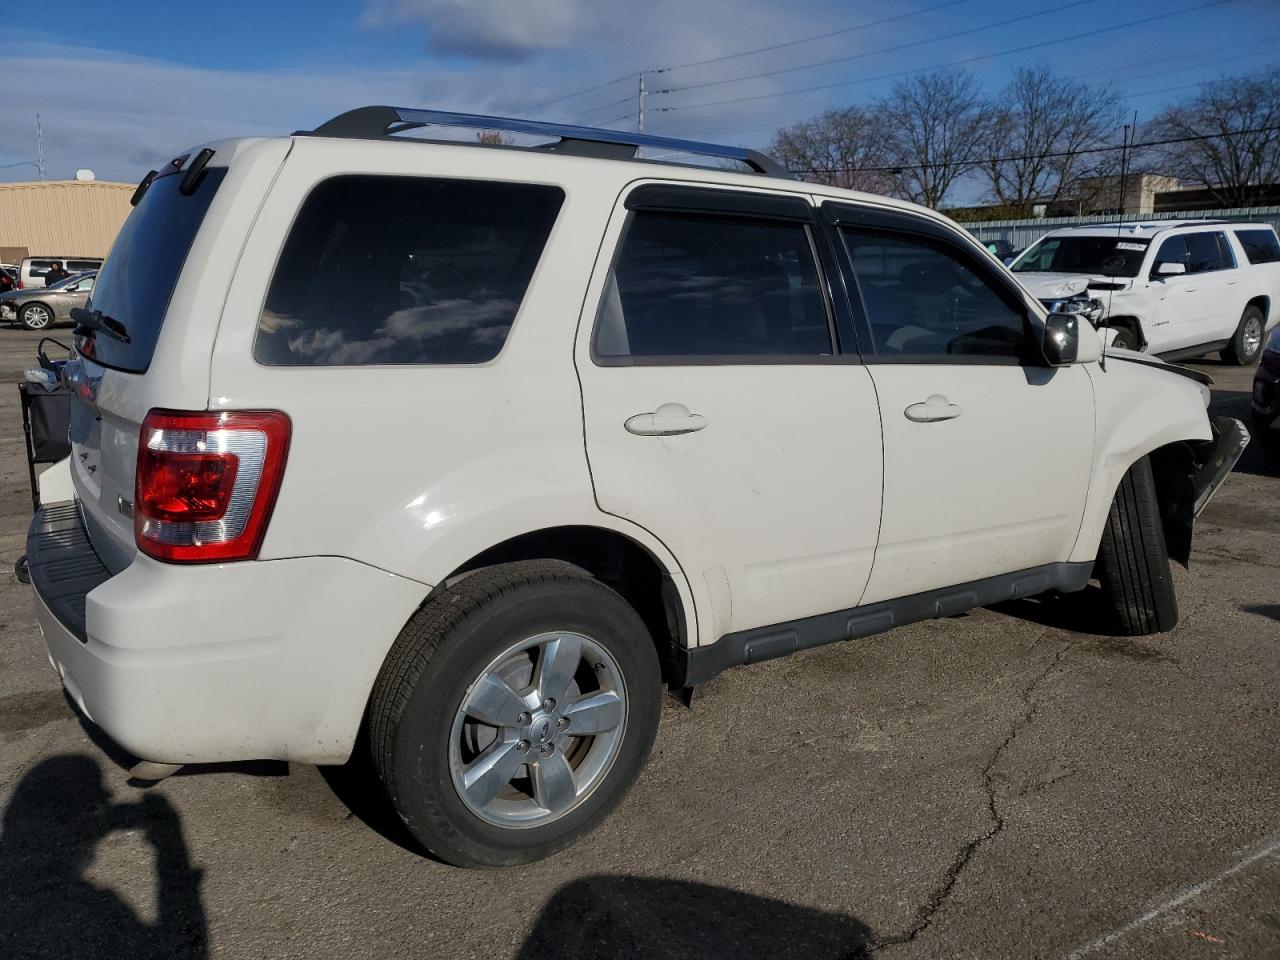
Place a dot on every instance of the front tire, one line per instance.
(513, 713)
(1246, 342)
(1133, 560)
(35, 316)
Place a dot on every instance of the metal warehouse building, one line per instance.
(61, 218)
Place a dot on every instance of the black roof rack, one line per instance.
(370, 122)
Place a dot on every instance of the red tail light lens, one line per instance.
(206, 483)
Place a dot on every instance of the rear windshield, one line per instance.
(1096, 256)
(393, 270)
(136, 281)
(1260, 246)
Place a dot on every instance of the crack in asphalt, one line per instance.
(938, 898)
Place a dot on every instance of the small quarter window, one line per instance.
(1260, 246)
(925, 302)
(686, 285)
(404, 270)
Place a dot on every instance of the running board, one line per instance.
(700, 664)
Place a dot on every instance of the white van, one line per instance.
(33, 270)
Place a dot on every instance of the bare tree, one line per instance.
(1229, 167)
(1044, 122)
(938, 127)
(494, 137)
(842, 148)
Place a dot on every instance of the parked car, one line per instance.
(8, 278)
(37, 309)
(1266, 396)
(1001, 249)
(32, 272)
(470, 450)
(1178, 289)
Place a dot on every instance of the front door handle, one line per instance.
(669, 420)
(936, 408)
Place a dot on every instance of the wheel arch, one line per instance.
(653, 586)
(1131, 323)
(1263, 303)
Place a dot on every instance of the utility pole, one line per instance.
(39, 147)
(1130, 136)
(640, 107)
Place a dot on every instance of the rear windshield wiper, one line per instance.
(99, 322)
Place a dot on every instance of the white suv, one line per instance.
(462, 452)
(1177, 288)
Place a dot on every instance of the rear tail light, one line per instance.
(206, 483)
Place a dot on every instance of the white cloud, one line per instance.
(485, 29)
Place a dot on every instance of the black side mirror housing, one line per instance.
(1061, 344)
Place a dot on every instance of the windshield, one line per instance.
(134, 285)
(1100, 256)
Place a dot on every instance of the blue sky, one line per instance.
(120, 92)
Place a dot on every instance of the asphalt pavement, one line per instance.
(1001, 784)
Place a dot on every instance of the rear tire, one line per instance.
(1133, 560)
(36, 316)
(1246, 343)
(510, 639)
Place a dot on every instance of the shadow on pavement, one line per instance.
(57, 816)
(634, 917)
(1081, 612)
(1271, 610)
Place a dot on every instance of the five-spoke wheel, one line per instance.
(514, 711)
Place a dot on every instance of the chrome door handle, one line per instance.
(936, 408)
(669, 420)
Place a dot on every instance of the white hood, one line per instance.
(1055, 286)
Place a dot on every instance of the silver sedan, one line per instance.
(39, 308)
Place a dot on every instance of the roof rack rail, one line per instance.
(382, 121)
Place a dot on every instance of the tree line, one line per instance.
(1042, 138)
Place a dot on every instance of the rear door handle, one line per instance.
(669, 420)
(936, 408)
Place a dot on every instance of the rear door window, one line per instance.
(80, 266)
(135, 284)
(1260, 246)
(404, 270)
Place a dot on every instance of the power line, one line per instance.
(951, 63)
(743, 53)
(611, 103)
(890, 168)
(818, 36)
(576, 93)
(875, 53)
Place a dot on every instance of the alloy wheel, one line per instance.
(538, 730)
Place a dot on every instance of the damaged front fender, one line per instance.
(1188, 474)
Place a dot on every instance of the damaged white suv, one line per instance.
(1176, 288)
(462, 452)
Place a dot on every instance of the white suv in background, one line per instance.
(1178, 289)
(463, 452)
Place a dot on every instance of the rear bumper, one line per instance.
(238, 661)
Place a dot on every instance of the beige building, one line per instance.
(61, 218)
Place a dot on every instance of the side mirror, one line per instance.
(1061, 344)
(1169, 269)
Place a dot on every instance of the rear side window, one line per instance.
(135, 284)
(1260, 246)
(80, 266)
(688, 286)
(404, 270)
(925, 302)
